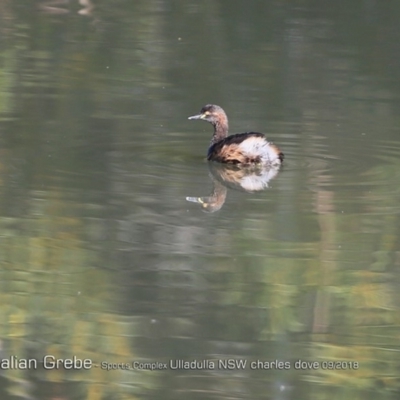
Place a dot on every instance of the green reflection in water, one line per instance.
(96, 161)
(55, 302)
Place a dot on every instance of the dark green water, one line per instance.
(103, 258)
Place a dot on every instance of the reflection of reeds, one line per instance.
(54, 305)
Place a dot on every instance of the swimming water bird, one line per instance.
(247, 149)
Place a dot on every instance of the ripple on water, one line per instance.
(317, 159)
(369, 163)
(171, 158)
(354, 157)
(362, 174)
(353, 167)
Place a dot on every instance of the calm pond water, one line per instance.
(280, 285)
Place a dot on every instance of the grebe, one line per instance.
(250, 148)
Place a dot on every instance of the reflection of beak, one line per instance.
(195, 199)
(198, 116)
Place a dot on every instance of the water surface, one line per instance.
(290, 292)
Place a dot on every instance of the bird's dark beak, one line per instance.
(198, 116)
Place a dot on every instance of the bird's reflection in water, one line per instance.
(214, 201)
(63, 6)
(249, 179)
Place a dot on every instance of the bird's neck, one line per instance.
(220, 131)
